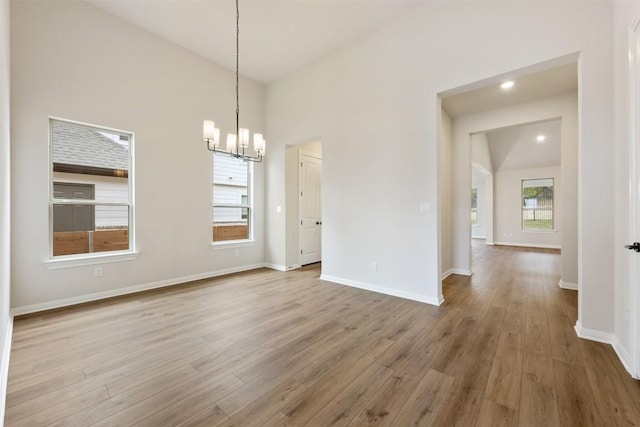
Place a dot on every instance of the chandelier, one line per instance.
(237, 143)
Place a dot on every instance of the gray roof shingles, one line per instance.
(80, 145)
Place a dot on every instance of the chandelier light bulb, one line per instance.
(231, 142)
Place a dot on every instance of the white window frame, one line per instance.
(553, 209)
(63, 261)
(223, 244)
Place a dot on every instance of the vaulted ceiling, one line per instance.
(276, 36)
(517, 147)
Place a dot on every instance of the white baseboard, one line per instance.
(384, 290)
(568, 285)
(461, 271)
(527, 245)
(593, 335)
(65, 302)
(488, 243)
(282, 267)
(623, 355)
(446, 274)
(4, 369)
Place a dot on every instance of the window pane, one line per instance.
(230, 223)
(231, 180)
(537, 204)
(77, 229)
(88, 155)
(89, 163)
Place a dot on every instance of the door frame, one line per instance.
(634, 188)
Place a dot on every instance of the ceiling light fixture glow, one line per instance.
(508, 84)
(540, 138)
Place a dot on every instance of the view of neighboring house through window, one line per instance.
(474, 206)
(537, 204)
(91, 206)
(231, 199)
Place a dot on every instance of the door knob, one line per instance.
(634, 247)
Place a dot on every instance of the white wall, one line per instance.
(508, 203)
(564, 106)
(5, 201)
(444, 193)
(480, 153)
(158, 91)
(379, 124)
(626, 13)
(481, 160)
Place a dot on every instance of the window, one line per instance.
(231, 199)
(474, 206)
(91, 207)
(537, 204)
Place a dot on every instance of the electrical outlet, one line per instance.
(97, 272)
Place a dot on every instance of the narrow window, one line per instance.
(537, 204)
(91, 206)
(474, 206)
(232, 209)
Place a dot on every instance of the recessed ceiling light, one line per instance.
(507, 85)
(540, 138)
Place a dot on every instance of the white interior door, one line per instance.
(634, 201)
(310, 187)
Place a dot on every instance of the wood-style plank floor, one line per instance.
(266, 348)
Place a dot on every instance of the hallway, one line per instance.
(541, 372)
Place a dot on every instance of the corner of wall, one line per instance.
(4, 368)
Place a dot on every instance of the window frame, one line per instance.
(61, 261)
(553, 207)
(220, 244)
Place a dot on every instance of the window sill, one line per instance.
(231, 244)
(69, 261)
(540, 231)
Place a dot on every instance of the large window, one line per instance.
(537, 204)
(91, 206)
(231, 199)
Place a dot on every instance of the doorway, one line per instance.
(310, 208)
(303, 205)
(541, 93)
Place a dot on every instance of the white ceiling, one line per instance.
(276, 36)
(515, 147)
(542, 84)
